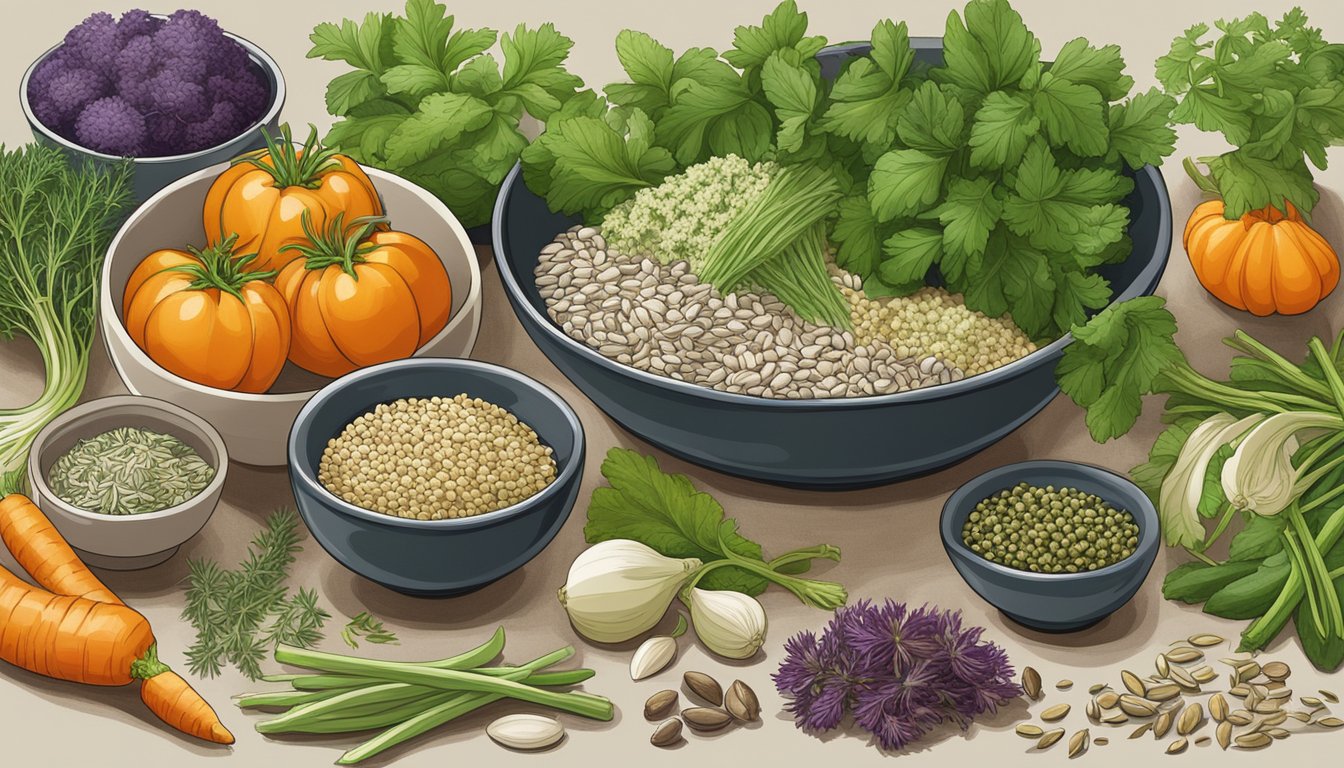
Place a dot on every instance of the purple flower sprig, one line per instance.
(899, 672)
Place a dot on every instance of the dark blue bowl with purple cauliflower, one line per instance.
(173, 93)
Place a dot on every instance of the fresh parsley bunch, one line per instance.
(1003, 172)
(997, 172)
(1276, 94)
(427, 102)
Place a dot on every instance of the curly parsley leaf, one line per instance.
(993, 49)
(783, 28)
(1101, 68)
(1003, 126)
(870, 95)
(905, 182)
(792, 89)
(589, 166)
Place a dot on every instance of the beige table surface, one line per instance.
(888, 535)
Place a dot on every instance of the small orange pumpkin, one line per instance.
(1267, 261)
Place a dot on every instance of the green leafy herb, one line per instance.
(666, 513)
(365, 626)
(1286, 559)
(58, 218)
(1276, 95)
(229, 608)
(426, 100)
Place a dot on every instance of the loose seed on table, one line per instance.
(1276, 670)
(1132, 683)
(1205, 641)
(1049, 738)
(1108, 700)
(1056, 712)
(1329, 722)
(1224, 734)
(660, 705)
(1176, 747)
(1031, 683)
(1191, 718)
(1329, 696)
(1141, 730)
(741, 702)
(1029, 731)
(1218, 707)
(667, 734)
(706, 719)
(1079, 742)
(1064, 685)
(704, 686)
(1253, 740)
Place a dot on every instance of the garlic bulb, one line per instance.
(617, 589)
(730, 624)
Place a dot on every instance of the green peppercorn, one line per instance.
(1050, 530)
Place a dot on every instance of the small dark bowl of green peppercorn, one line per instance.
(1056, 545)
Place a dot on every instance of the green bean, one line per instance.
(430, 719)
(584, 704)
(281, 698)
(360, 719)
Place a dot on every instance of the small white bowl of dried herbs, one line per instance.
(127, 479)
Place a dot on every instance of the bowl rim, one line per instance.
(254, 52)
(564, 474)
(171, 412)
(530, 316)
(113, 325)
(1146, 516)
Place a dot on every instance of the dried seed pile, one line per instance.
(1255, 710)
(129, 471)
(1050, 530)
(739, 705)
(661, 319)
(934, 323)
(436, 458)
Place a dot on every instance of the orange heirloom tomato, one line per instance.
(205, 317)
(361, 296)
(262, 197)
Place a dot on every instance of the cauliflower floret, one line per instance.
(136, 23)
(682, 217)
(69, 92)
(178, 97)
(112, 126)
(219, 127)
(94, 42)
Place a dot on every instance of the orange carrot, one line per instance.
(70, 638)
(43, 553)
(85, 634)
(176, 702)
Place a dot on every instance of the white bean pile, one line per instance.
(661, 319)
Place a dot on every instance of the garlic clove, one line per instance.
(730, 624)
(527, 732)
(652, 657)
(619, 589)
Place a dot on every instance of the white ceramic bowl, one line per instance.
(256, 427)
(126, 542)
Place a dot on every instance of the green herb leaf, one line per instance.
(869, 96)
(441, 118)
(911, 252)
(793, 92)
(905, 182)
(1140, 129)
(592, 167)
(992, 50)
(1100, 68)
(366, 46)
(1002, 129)
(1071, 115)
(933, 122)
(783, 28)
(1077, 296)
(855, 230)
(1249, 183)
(1115, 359)
(665, 512)
(968, 213)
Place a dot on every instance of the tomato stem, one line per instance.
(336, 244)
(290, 167)
(220, 268)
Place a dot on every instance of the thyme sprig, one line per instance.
(230, 609)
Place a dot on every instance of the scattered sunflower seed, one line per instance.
(1115, 718)
(1204, 675)
(1278, 733)
(1141, 730)
(1049, 738)
(1240, 718)
(1097, 688)
(1254, 740)
(1136, 706)
(1276, 670)
(1191, 718)
(1164, 692)
(704, 686)
(1133, 683)
(1101, 741)
(1162, 664)
(660, 705)
(1301, 717)
(1312, 701)
(1183, 679)
(1176, 747)
(1030, 731)
(1093, 710)
(1240, 691)
(1274, 719)
(706, 718)
(1162, 724)
(1108, 699)
(1201, 741)
(1247, 672)
(1218, 707)
(1031, 683)
(1184, 655)
(1064, 685)
(1205, 641)
(1079, 742)
(667, 734)
(1057, 712)
(1329, 696)
(1329, 722)
(1224, 734)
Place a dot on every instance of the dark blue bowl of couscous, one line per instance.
(445, 556)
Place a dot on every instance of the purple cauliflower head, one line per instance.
(178, 97)
(188, 34)
(137, 60)
(163, 135)
(135, 23)
(223, 124)
(112, 126)
(94, 42)
(69, 91)
(245, 90)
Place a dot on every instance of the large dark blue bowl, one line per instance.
(434, 557)
(823, 444)
(1053, 602)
